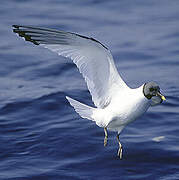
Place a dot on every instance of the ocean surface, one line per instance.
(41, 136)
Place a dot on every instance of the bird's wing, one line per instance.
(92, 58)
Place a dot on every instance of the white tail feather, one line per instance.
(83, 110)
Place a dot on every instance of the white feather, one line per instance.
(92, 58)
(116, 103)
(97, 67)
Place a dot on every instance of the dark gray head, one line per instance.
(151, 91)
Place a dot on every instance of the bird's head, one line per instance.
(151, 91)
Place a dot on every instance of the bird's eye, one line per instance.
(151, 89)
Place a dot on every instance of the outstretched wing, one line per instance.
(92, 58)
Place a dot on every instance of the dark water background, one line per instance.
(41, 137)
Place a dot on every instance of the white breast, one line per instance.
(124, 108)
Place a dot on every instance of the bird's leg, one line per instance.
(105, 136)
(119, 153)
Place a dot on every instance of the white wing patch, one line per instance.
(93, 59)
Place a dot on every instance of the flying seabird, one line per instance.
(115, 104)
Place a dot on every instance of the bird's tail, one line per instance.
(83, 110)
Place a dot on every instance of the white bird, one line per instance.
(116, 103)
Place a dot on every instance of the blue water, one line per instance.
(41, 137)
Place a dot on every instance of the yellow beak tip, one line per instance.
(163, 98)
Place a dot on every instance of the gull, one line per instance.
(115, 103)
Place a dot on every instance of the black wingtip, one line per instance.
(15, 26)
(23, 31)
(23, 34)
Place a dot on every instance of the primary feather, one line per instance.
(92, 58)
